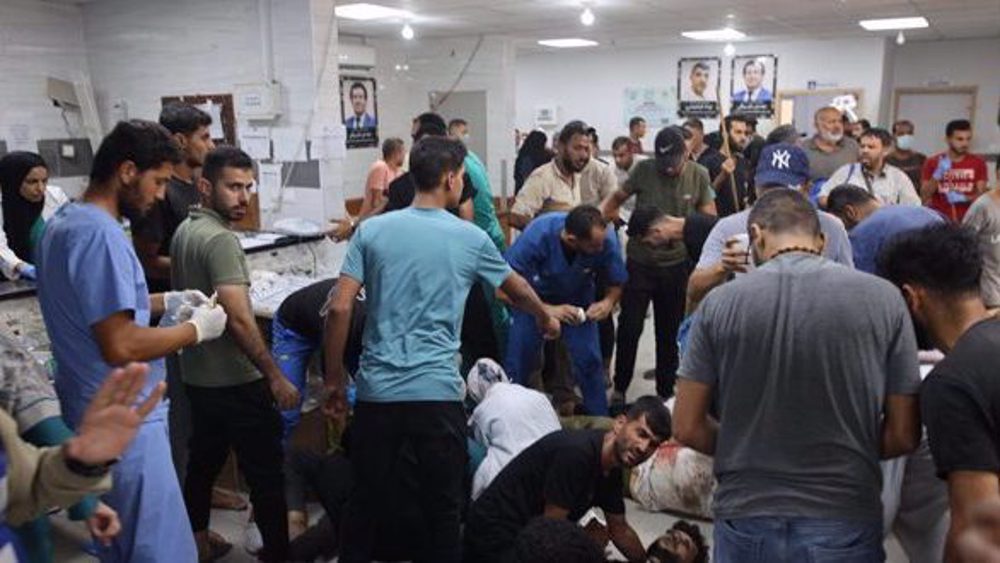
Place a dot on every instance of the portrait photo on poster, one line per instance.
(698, 81)
(359, 111)
(753, 82)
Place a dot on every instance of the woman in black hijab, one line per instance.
(533, 154)
(23, 181)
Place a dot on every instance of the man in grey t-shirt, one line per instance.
(781, 166)
(813, 369)
(983, 217)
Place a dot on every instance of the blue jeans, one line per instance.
(292, 353)
(797, 540)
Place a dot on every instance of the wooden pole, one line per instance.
(728, 152)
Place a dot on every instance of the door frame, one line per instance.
(859, 94)
(973, 90)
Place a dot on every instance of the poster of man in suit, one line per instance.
(698, 87)
(754, 80)
(359, 110)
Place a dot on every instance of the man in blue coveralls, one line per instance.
(559, 254)
(96, 307)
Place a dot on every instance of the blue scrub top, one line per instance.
(87, 271)
(538, 256)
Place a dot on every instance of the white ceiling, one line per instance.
(645, 22)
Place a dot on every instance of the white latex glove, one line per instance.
(174, 300)
(209, 322)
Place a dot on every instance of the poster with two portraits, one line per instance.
(753, 79)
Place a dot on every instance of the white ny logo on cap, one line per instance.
(781, 159)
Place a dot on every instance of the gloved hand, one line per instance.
(209, 322)
(174, 300)
(27, 271)
(943, 166)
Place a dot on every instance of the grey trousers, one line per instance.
(915, 505)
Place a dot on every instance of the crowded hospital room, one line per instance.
(537, 281)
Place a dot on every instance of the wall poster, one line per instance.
(359, 111)
(753, 82)
(698, 81)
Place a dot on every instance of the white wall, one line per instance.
(38, 40)
(434, 65)
(589, 84)
(974, 62)
(139, 52)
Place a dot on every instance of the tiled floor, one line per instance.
(230, 524)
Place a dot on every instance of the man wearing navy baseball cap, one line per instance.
(657, 271)
(726, 252)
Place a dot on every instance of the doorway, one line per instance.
(930, 109)
(469, 105)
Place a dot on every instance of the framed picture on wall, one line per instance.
(359, 111)
(753, 82)
(698, 81)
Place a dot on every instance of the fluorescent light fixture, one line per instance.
(724, 34)
(894, 23)
(364, 11)
(567, 43)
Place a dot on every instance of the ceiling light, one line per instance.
(364, 11)
(567, 43)
(729, 50)
(894, 23)
(407, 32)
(587, 17)
(900, 38)
(724, 34)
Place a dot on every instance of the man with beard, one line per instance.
(938, 270)
(829, 149)
(720, 167)
(96, 308)
(561, 477)
(890, 185)
(555, 186)
(232, 403)
(798, 470)
(151, 234)
(953, 179)
(657, 272)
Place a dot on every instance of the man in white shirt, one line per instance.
(886, 182)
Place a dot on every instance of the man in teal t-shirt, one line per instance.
(417, 266)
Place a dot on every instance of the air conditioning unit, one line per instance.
(355, 57)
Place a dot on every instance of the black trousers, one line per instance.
(244, 418)
(434, 431)
(666, 288)
(606, 327)
(479, 340)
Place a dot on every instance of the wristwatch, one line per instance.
(81, 469)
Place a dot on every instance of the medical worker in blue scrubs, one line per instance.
(560, 254)
(97, 308)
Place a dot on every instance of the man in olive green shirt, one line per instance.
(658, 272)
(233, 382)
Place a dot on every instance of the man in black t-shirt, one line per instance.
(562, 476)
(151, 233)
(938, 269)
(297, 334)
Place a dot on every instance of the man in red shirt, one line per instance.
(953, 179)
